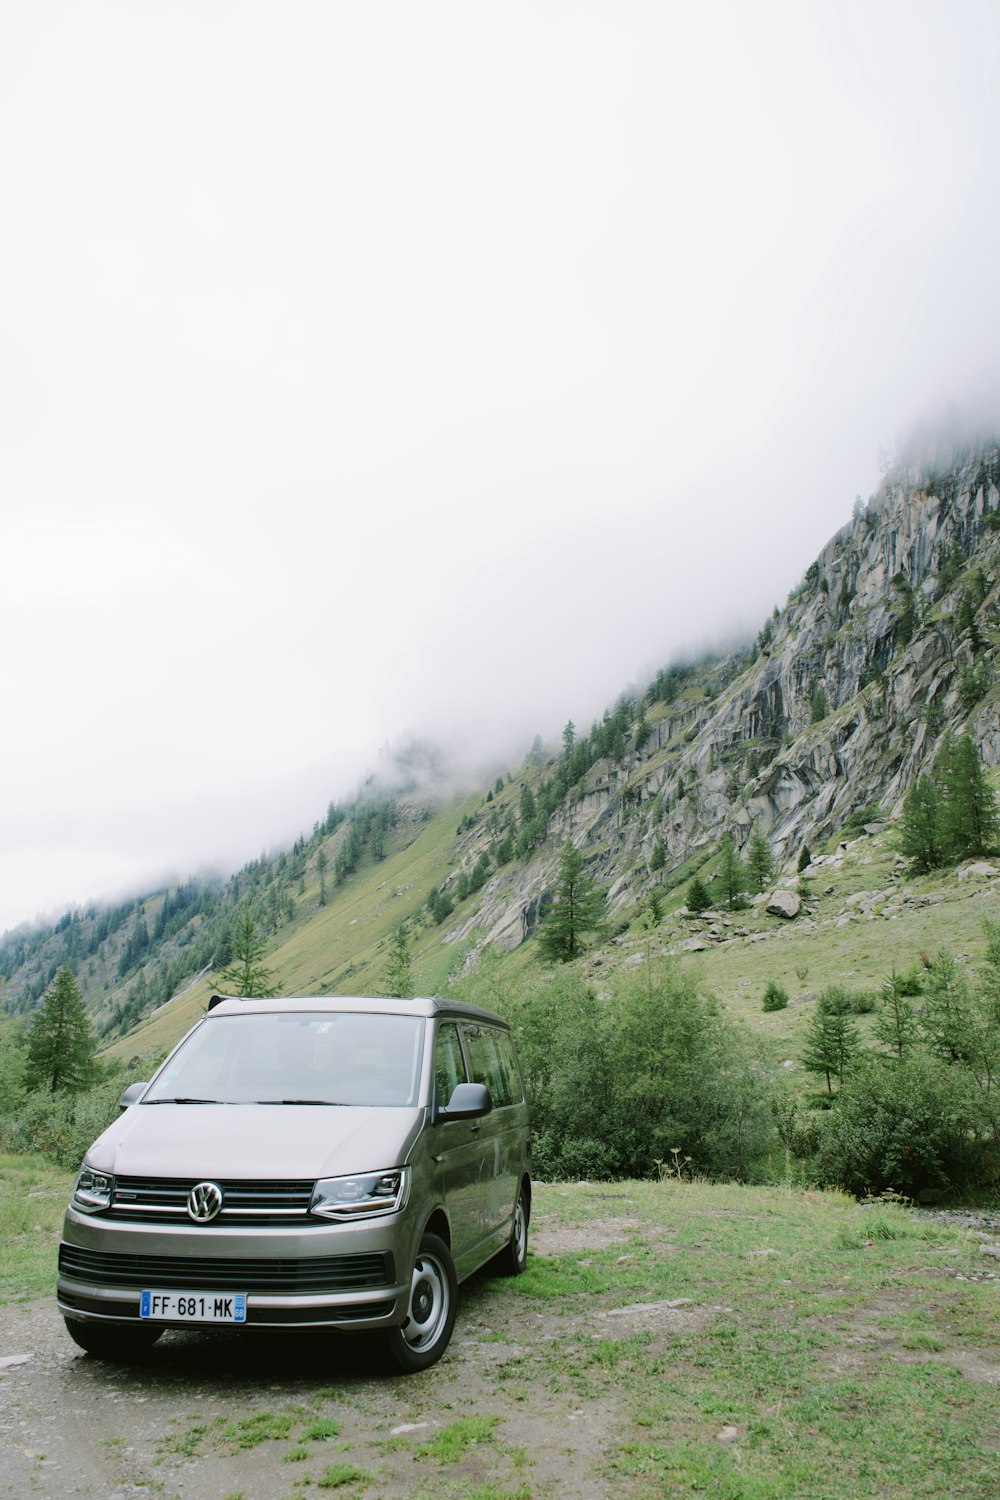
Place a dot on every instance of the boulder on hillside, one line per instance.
(862, 900)
(979, 870)
(784, 904)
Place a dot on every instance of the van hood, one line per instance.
(253, 1141)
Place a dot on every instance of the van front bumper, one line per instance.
(344, 1276)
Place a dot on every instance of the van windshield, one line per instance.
(295, 1058)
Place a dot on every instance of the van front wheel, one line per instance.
(430, 1314)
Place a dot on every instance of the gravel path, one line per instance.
(172, 1427)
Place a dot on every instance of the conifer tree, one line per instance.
(61, 1042)
(578, 909)
(970, 820)
(989, 984)
(948, 1014)
(895, 1023)
(439, 904)
(921, 829)
(398, 977)
(732, 873)
(831, 1044)
(760, 860)
(697, 898)
(246, 975)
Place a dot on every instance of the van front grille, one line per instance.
(257, 1202)
(325, 1273)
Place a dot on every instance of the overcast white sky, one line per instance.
(441, 367)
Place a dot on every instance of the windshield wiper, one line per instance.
(181, 1100)
(295, 1101)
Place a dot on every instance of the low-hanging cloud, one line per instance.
(401, 374)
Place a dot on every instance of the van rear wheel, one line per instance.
(430, 1314)
(120, 1341)
(514, 1256)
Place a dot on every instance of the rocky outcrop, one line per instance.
(839, 706)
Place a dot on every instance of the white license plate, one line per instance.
(194, 1307)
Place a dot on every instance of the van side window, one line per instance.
(487, 1064)
(449, 1066)
(508, 1061)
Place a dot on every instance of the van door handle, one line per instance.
(475, 1127)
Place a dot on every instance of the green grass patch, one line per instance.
(488, 1492)
(448, 1445)
(790, 1346)
(250, 1432)
(33, 1198)
(234, 1436)
(187, 1444)
(338, 1476)
(320, 1430)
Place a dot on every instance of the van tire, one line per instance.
(514, 1256)
(425, 1335)
(117, 1341)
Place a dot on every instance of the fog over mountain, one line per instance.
(377, 371)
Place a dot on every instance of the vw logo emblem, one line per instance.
(204, 1202)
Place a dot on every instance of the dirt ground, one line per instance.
(71, 1425)
(224, 1416)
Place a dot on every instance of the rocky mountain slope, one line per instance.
(889, 641)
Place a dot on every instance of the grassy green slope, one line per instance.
(820, 948)
(340, 948)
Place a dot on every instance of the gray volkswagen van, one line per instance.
(294, 1163)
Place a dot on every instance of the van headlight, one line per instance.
(92, 1190)
(361, 1196)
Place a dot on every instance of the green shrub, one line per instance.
(61, 1125)
(906, 1126)
(775, 998)
(973, 683)
(856, 820)
(571, 1159)
(616, 1082)
(837, 1000)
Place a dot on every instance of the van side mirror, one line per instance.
(468, 1102)
(132, 1093)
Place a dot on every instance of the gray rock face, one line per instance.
(754, 753)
